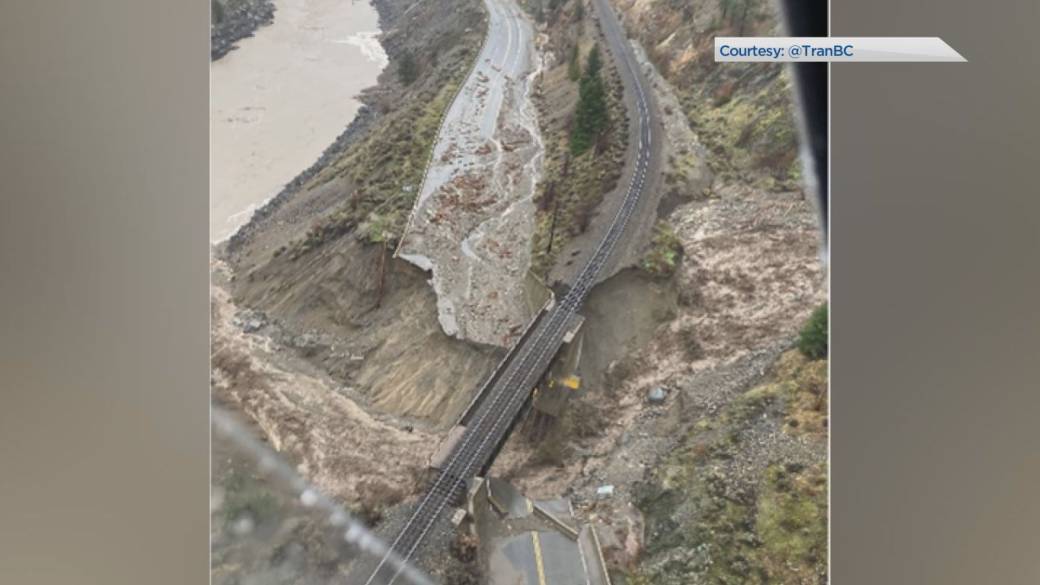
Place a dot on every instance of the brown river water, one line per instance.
(282, 97)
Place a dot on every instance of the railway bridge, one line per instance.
(503, 395)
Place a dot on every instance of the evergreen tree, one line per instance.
(594, 64)
(408, 70)
(591, 117)
(813, 338)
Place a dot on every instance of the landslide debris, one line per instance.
(310, 419)
(472, 223)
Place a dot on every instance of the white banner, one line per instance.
(834, 49)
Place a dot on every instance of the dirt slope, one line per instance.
(309, 418)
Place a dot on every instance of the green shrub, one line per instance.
(408, 69)
(812, 341)
(246, 497)
(665, 251)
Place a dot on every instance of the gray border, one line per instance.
(935, 320)
(104, 286)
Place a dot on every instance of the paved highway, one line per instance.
(527, 361)
(472, 117)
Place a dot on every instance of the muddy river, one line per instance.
(282, 97)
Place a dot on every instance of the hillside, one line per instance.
(576, 179)
(741, 495)
(742, 499)
(741, 112)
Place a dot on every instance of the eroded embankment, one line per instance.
(315, 265)
(308, 417)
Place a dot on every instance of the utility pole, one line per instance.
(556, 212)
(382, 272)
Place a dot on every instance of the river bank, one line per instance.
(280, 100)
(234, 20)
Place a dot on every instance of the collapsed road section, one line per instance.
(474, 214)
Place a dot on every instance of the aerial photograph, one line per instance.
(514, 292)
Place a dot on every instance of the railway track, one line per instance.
(493, 419)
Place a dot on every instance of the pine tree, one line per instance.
(594, 64)
(813, 338)
(591, 117)
(408, 70)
